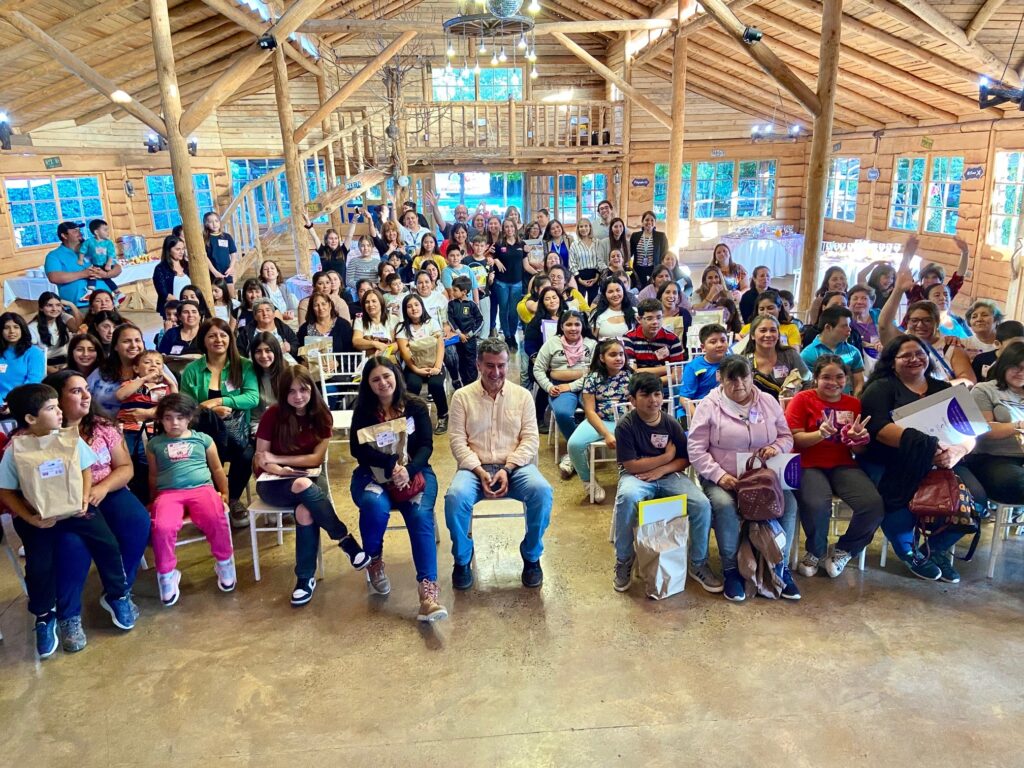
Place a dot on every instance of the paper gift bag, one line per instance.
(424, 351)
(49, 472)
(312, 350)
(661, 553)
(388, 437)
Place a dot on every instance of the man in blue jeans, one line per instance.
(651, 450)
(492, 429)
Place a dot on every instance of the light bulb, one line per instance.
(483, 47)
(533, 7)
(794, 130)
(502, 57)
(476, 68)
(3, 117)
(515, 77)
(521, 45)
(533, 73)
(451, 51)
(531, 55)
(983, 82)
(494, 59)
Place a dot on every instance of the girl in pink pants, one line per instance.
(183, 469)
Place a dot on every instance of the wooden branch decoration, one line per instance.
(763, 55)
(245, 67)
(353, 85)
(632, 93)
(89, 75)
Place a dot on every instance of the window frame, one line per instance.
(689, 202)
(923, 204)
(53, 180)
(200, 208)
(837, 181)
(436, 73)
(996, 220)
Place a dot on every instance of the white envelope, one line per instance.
(785, 465)
(950, 415)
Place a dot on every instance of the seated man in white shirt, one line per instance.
(492, 428)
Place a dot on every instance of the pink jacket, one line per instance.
(716, 435)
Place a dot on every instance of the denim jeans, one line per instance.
(815, 501)
(582, 437)
(632, 491)
(564, 407)
(375, 510)
(728, 521)
(129, 521)
(507, 295)
(526, 485)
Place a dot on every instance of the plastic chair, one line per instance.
(621, 409)
(19, 572)
(339, 381)
(837, 505)
(1005, 520)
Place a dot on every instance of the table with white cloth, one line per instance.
(782, 255)
(31, 285)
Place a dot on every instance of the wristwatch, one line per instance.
(508, 470)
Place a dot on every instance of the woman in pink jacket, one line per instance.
(737, 417)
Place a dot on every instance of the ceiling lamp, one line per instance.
(993, 94)
(767, 132)
(500, 20)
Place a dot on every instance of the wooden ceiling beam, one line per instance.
(389, 27)
(852, 55)
(580, 13)
(763, 55)
(981, 18)
(852, 24)
(613, 9)
(230, 9)
(87, 74)
(912, 12)
(249, 60)
(390, 11)
(690, 20)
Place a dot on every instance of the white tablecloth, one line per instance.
(782, 255)
(27, 288)
(136, 273)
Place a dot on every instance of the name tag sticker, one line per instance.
(222, 242)
(661, 353)
(780, 371)
(659, 441)
(52, 468)
(385, 439)
(3, 367)
(410, 425)
(177, 349)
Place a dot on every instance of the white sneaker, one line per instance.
(836, 562)
(225, 574)
(808, 566)
(599, 494)
(565, 467)
(169, 583)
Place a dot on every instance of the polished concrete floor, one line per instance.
(876, 668)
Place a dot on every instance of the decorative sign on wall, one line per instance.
(49, 163)
(350, 185)
(641, 182)
(718, 153)
(927, 142)
(873, 174)
(974, 172)
(837, 146)
(313, 208)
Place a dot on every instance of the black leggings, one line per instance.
(435, 386)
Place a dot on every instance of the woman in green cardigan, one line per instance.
(225, 386)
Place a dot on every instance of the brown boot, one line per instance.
(430, 609)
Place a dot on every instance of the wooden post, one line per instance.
(293, 174)
(675, 146)
(627, 121)
(511, 128)
(821, 149)
(326, 127)
(181, 162)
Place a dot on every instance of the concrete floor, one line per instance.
(876, 668)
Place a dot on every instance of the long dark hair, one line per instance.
(275, 371)
(597, 363)
(542, 314)
(751, 345)
(73, 344)
(93, 418)
(252, 282)
(165, 253)
(21, 346)
(110, 368)
(1011, 357)
(406, 323)
(886, 366)
(622, 244)
(823, 288)
(175, 402)
(875, 279)
(43, 327)
(773, 296)
(234, 367)
(311, 313)
(580, 315)
(368, 402)
(628, 310)
(204, 308)
(317, 416)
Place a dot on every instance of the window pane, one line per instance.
(42, 189)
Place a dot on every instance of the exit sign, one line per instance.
(49, 163)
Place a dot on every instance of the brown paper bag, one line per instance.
(388, 437)
(661, 553)
(49, 472)
(423, 351)
(312, 350)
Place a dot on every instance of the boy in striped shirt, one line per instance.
(649, 346)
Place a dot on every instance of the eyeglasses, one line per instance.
(912, 356)
(919, 320)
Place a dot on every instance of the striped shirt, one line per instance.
(583, 256)
(362, 269)
(645, 352)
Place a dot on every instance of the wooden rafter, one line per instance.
(763, 55)
(981, 18)
(86, 73)
(656, 46)
(392, 27)
(230, 9)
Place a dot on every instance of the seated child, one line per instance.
(183, 469)
(699, 375)
(37, 412)
(138, 397)
(651, 450)
(100, 252)
(394, 293)
(170, 321)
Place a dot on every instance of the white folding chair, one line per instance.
(339, 381)
(15, 564)
(838, 505)
(674, 374)
(1005, 520)
(621, 409)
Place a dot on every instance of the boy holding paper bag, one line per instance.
(651, 450)
(30, 487)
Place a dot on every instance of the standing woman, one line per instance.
(20, 361)
(420, 340)
(292, 438)
(84, 353)
(494, 236)
(118, 366)
(387, 241)
(383, 398)
(183, 339)
(588, 257)
(618, 240)
(777, 369)
(556, 241)
(53, 328)
(224, 385)
(171, 274)
(220, 248)
(333, 251)
(648, 247)
(322, 321)
(124, 514)
(428, 252)
(508, 281)
(283, 300)
(459, 240)
(735, 275)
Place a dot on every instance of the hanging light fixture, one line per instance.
(476, 67)
(993, 94)
(500, 20)
(521, 45)
(533, 7)
(501, 56)
(533, 72)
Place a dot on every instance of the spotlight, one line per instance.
(993, 94)
(5, 131)
(752, 35)
(120, 97)
(533, 7)
(154, 143)
(193, 146)
(267, 42)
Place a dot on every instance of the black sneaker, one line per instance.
(921, 566)
(356, 555)
(533, 576)
(542, 427)
(462, 575)
(790, 591)
(303, 591)
(947, 573)
(442, 426)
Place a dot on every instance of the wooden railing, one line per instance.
(513, 128)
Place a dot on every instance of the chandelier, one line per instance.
(495, 27)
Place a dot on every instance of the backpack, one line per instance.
(759, 493)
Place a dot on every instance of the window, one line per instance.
(568, 185)
(1007, 191)
(940, 213)
(841, 194)
(755, 189)
(163, 205)
(494, 192)
(907, 192)
(39, 204)
(594, 189)
(244, 170)
(714, 190)
(660, 206)
(492, 84)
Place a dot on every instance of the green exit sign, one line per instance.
(51, 162)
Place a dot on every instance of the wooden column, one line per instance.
(293, 174)
(627, 124)
(328, 129)
(675, 146)
(181, 162)
(821, 149)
